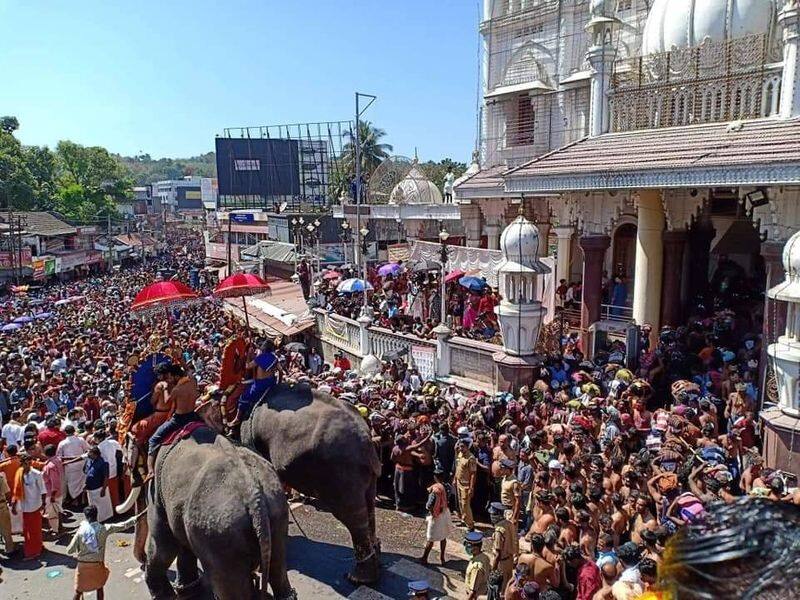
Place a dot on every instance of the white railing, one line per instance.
(611, 312)
(471, 359)
(338, 331)
(384, 341)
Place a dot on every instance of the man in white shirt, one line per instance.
(33, 494)
(71, 447)
(108, 450)
(13, 431)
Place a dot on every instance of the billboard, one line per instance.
(258, 167)
(188, 197)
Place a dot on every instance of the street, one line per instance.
(317, 563)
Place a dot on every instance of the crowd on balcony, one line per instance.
(408, 301)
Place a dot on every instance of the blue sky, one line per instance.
(164, 77)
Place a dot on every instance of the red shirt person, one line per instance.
(342, 362)
(51, 435)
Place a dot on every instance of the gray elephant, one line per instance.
(321, 447)
(214, 501)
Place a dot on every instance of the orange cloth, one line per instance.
(32, 532)
(18, 486)
(90, 576)
(9, 468)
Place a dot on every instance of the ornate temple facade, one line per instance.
(647, 139)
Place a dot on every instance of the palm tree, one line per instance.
(373, 153)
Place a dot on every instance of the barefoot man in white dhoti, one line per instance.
(74, 476)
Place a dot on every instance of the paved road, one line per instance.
(317, 563)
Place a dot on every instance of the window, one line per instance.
(522, 132)
(247, 164)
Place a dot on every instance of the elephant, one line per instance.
(216, 501)
(321, 447)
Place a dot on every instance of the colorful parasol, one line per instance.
(473, 284)
(389, 269)
(454, 275)
(351, 286)
(163, 295)
(241, 285)
(331, 275)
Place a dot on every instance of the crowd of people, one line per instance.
(569, 489)
(406, 300)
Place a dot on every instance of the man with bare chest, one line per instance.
(182, 392)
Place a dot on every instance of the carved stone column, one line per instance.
(649, 260)
(471, 218)
(594, 254)
(789, 19)
(564, 235)
(674, 249)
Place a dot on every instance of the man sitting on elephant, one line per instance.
(265, 365)
(183, 394)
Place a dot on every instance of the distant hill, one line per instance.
(147, 170)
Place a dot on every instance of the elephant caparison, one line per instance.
(222, 504)
(321, 447)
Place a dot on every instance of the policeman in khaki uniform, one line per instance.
(478, 568)
(505, 545)
(465, 473)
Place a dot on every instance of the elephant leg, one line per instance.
(161, 551)
(230, 581)
(188, 574)
(367, 567)
(278, 578)
(370, 502)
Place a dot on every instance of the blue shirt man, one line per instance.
(265, 364)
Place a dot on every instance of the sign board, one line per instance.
(70, 261)
(9, 260)
(49, 267)
(242, 217)
(398, 252)
(38, 268)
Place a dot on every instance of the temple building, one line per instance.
(657, 141)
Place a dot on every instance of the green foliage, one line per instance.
(436, 171)
(147, 170)
(373, 153)
(17, 183)
(9, 124)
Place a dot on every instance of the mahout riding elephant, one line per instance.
(321, 447)
(222, 504)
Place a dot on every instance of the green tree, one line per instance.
(90, 181)
(17, 183)
(9, 124)
(373, 153)
(436, 171)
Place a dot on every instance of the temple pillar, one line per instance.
(649, 260)
(700, 238)
(674, 250)
(471, 217)
(493, 236)
(594, 255)
(563, 258)
(789, 19)
(774, 311)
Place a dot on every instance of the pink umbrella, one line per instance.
(454, 275)
(331, 275)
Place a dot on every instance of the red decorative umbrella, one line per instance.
(331, 275)
(241, 285)
(163, 295)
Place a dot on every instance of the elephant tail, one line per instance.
(259, 516)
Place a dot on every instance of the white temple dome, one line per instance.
(415, 188)
(687, 23)
(789, 289)
(521, 245)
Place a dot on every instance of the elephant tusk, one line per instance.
(130, 500)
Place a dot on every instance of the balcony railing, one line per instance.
(721, 81)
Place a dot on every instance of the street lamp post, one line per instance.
(359, 112)
(364, 232)
(443, 236)
(345, 237)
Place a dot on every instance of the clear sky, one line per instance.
(165, 76)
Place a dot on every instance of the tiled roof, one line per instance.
(43, 223)
(486, 179)
(718, 149)
(282, 310)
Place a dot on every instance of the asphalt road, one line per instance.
(319, 558)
